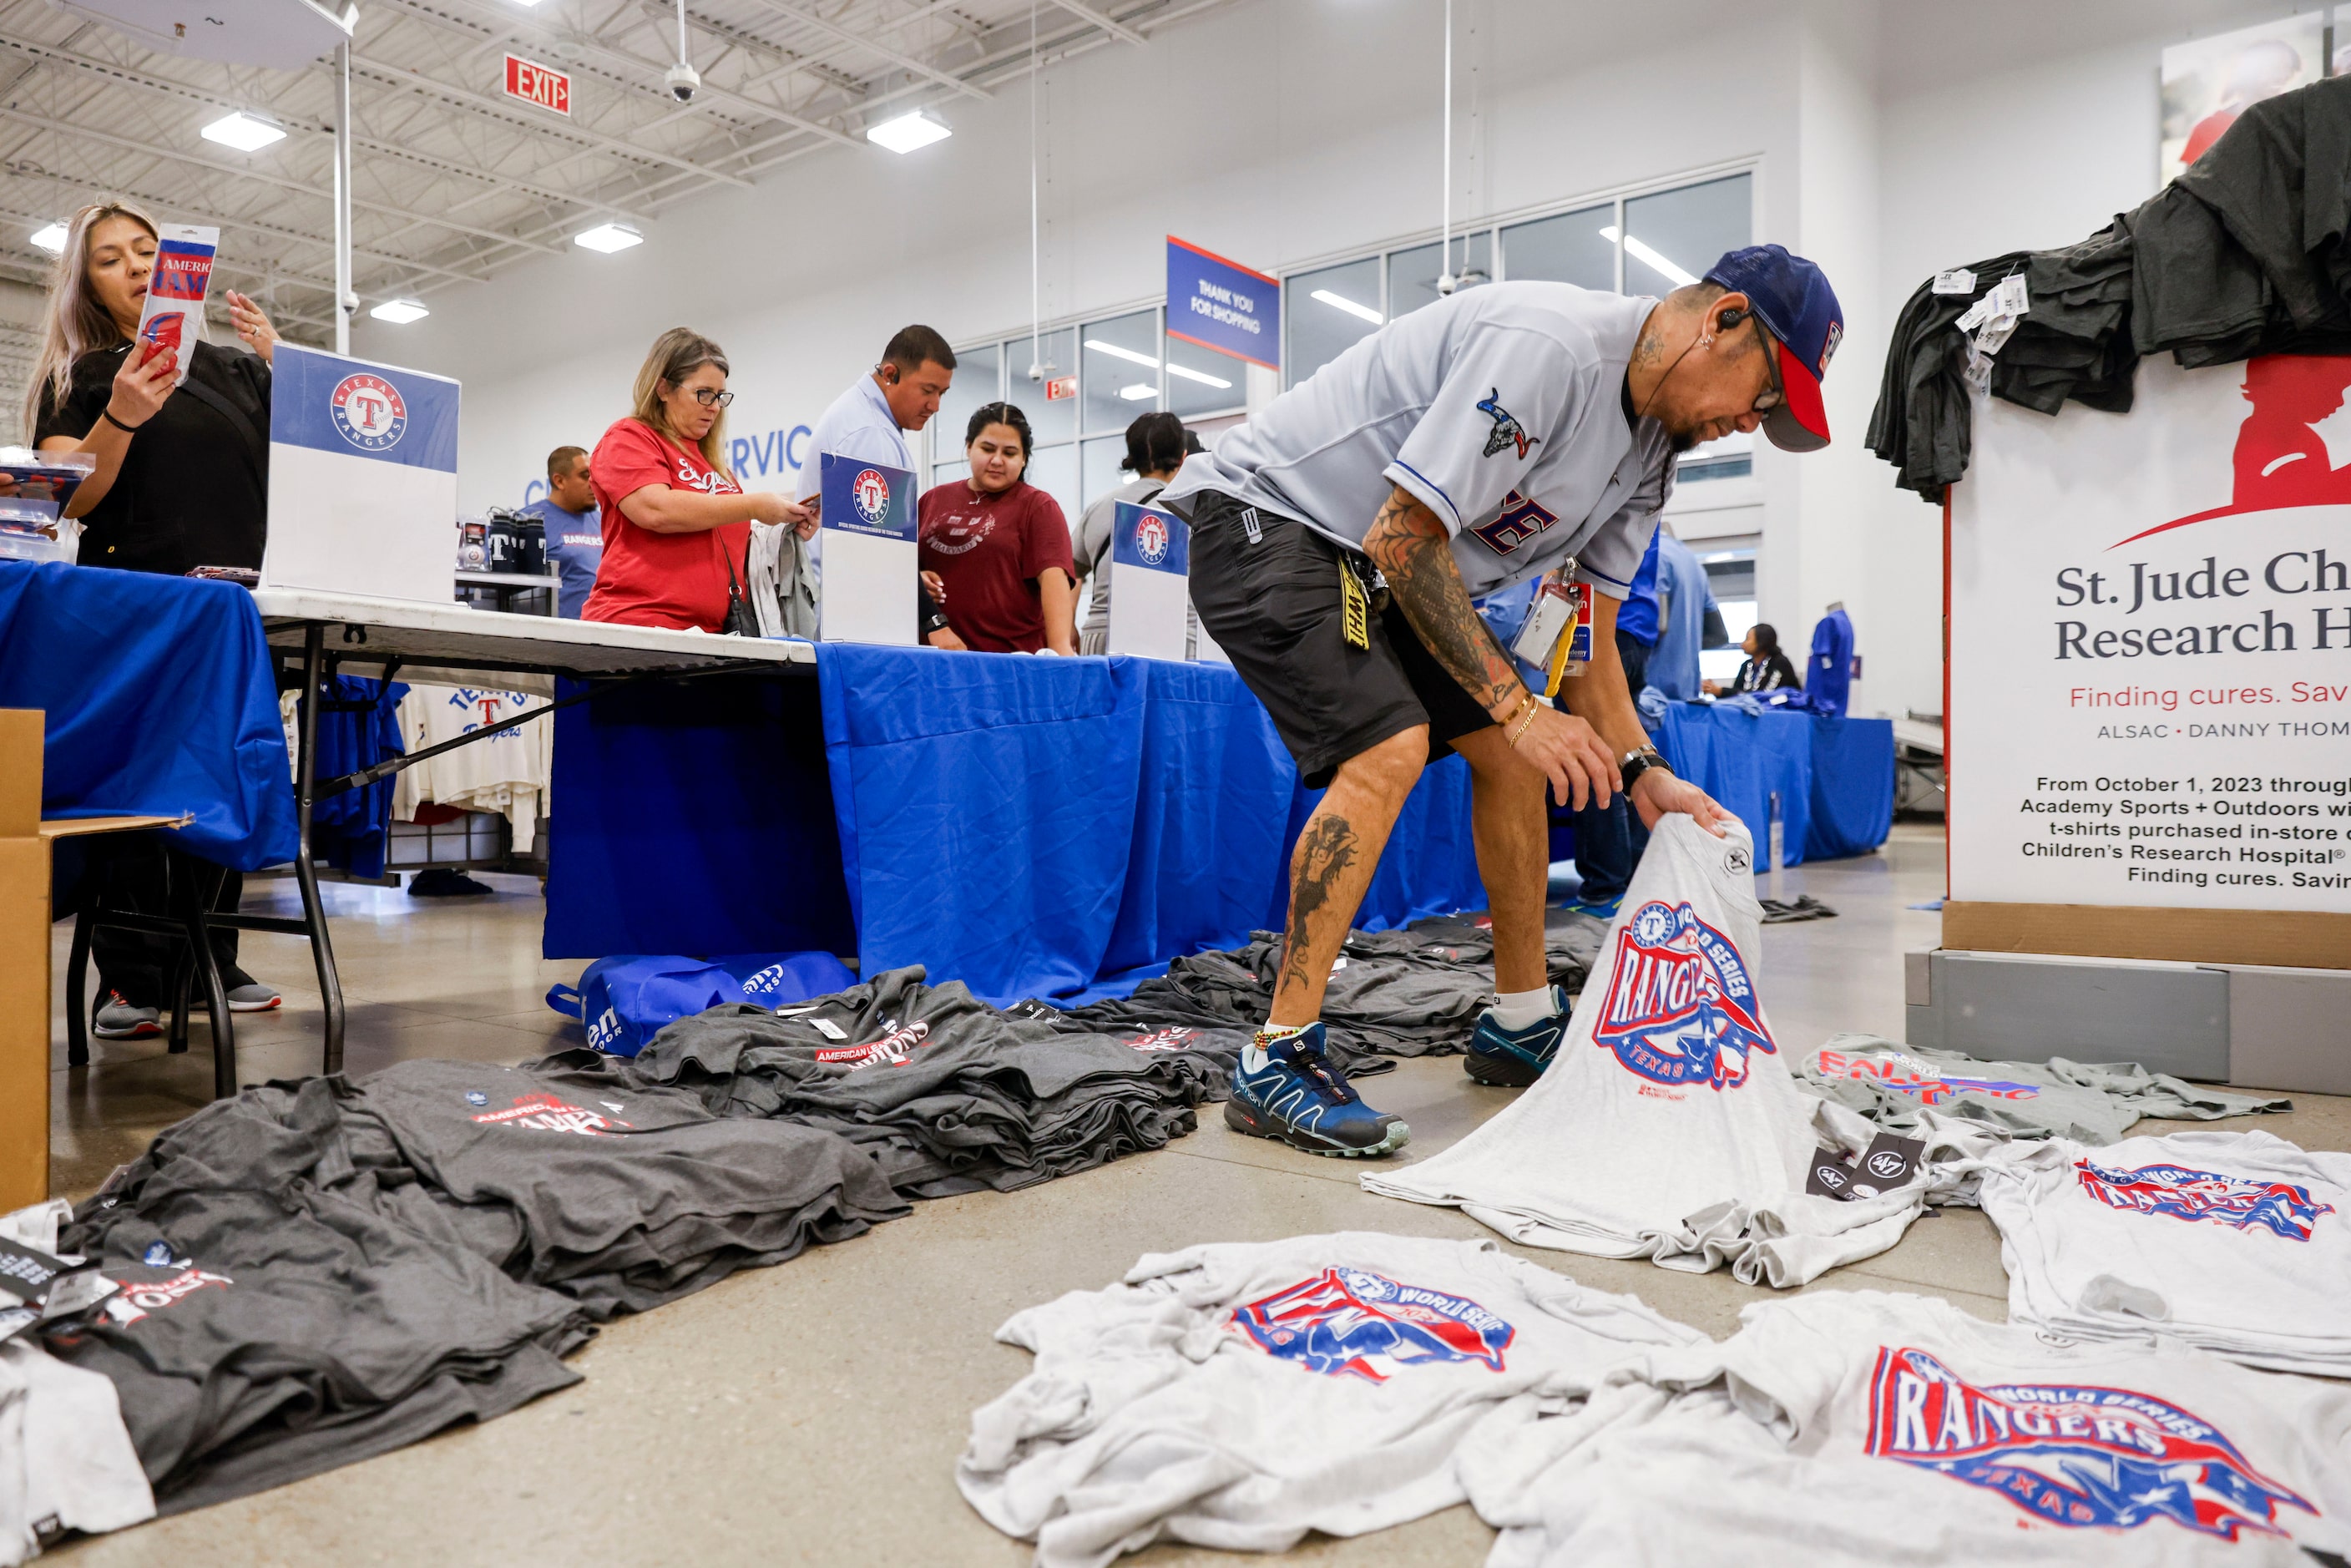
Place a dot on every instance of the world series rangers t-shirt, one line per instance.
(1840, 1430)
(1240, 1395)
(2236, 1242)
(1501, 409)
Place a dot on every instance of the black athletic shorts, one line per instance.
(1267, 590)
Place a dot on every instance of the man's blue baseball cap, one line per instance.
(1792, 300)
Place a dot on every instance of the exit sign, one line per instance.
(1060, 388)
(538, 84)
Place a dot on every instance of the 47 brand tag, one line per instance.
(1355, 620)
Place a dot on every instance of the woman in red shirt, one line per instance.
(1001, 545)
(675, 523)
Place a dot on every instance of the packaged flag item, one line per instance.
(174, 316)
(1669, 1127)
(41, 484)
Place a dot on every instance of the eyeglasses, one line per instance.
(1775, 394)
(710, 397)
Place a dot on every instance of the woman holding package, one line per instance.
(181, 481)
(675, 522)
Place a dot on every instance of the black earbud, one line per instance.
(1730, 318)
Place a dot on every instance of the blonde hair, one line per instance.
(74, 323)
(675, 355)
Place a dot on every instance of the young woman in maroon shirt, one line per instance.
(1001, 545)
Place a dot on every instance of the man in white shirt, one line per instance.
(868, 422)
(1339, 538)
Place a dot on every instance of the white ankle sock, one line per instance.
(1253, 1053)
(1515, 1010)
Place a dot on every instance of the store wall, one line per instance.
(1892, 137)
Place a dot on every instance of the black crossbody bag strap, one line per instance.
(249, 440)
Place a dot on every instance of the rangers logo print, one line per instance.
(544, 1112)
(367, 412)
(2074, 1455)
(871, 492)
(1680, 1008)
(1349, 1322)
(1507, 431)
(2279, 1208)
(1151, 538)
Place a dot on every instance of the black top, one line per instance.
(1768, 677)
(193, 487)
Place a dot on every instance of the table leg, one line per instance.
(306, 874)
(200, 887)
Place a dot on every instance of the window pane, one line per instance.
(1672, 237)
(1054, 470)
(1052, 420)
(1412, 274)
(976, 381)
(1202, 381)
(1328, 310)
(1573, 248)
(1731, 457)
(949, 472)
(1119, 364)
(1102, 473)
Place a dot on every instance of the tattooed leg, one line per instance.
(1334, 864)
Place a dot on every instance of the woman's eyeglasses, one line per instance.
(710, 397)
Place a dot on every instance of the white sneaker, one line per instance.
(117, 1020)
(252, 998)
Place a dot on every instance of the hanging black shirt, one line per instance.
(193, 487)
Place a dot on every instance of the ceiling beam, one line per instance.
(896, 57)
(1119, 30)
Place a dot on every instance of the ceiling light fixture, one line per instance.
(906, 133)
(400, 312)
(1682, 277)
(1138, 391)
(1129, 355)
(1341, 302)
(51, 237)
(246, 132)
(608, 237)
(1202, 377)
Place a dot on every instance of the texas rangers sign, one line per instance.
(362, 477)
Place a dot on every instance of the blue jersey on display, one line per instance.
(1829, 675)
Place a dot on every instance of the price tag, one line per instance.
(1958, 280)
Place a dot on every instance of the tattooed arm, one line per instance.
(1414, 552)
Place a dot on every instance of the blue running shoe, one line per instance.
(1512, 1059)
(1296, 1095)
(1598, 908)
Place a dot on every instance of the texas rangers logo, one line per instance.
(1519, 522)
(546, 1113)
(1829, 346)
(1680, 1008)
(135, 1301)
(1507, 431)
(869, 492)
(1353, 1323)
(2073, 1455)
(2279, 1208)
(1151, 538)
(367, 412)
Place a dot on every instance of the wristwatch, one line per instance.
(1632, 764)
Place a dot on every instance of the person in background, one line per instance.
(574, 525)
(1766, 670)
(675, 522)
(1001, 545)
(1609, 837)
(181, 481)
(1687, 619)
(1156, 444)
(869, 423)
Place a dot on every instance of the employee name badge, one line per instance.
(1150, 582)
(1557, 635)
(873, 585)
(174, 316)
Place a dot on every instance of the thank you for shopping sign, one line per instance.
(1150, 588)
(871, 580)
(2150, 645)
(1222, 305)
(362, 477)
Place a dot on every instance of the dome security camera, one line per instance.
(682, 82)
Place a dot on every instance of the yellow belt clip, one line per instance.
(1355, 616)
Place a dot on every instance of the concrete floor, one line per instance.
(812, 1413)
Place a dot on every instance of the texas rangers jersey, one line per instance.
(1241, 1394)
(1669, 1126)
(2237, 1243)
(1839, 1430)
(1501, 409)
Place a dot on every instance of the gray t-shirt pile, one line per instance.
(274, 1321)
(947, 1093)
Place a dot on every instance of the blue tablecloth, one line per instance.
(1835, 777)
(1026, 826)
(160, 700)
